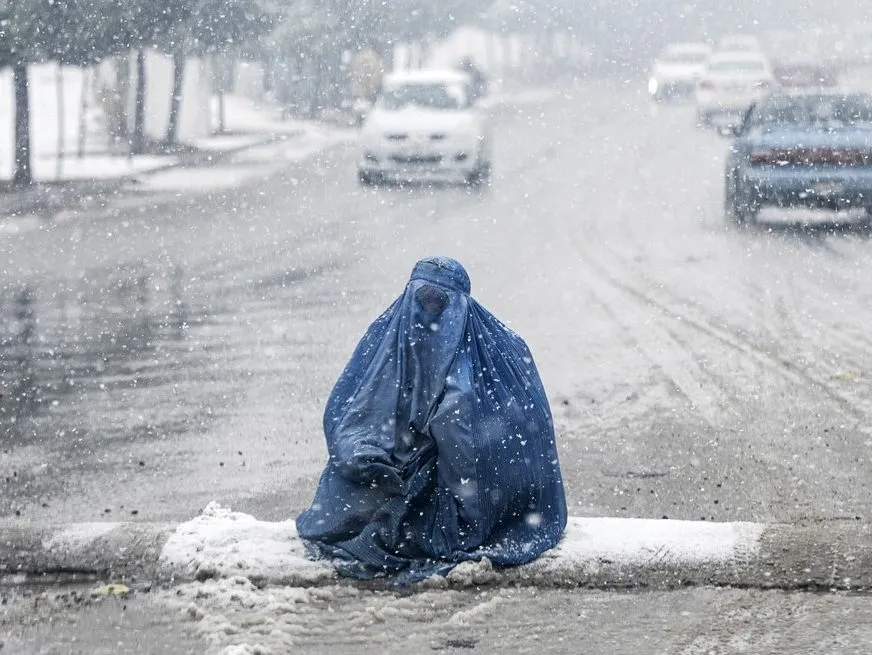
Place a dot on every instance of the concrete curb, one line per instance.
(818, 557)
(204, 157)
(117, 550)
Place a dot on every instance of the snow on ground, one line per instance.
(312, 139)
(234, 617)
(78, 535)
(246, 115)
(248, 164)
(193, 180)
(45, 125)
(228, 142)
(529, 96)
(49, 135)
(257, 596)
(98, 167)
(221, 543)
(20, 225)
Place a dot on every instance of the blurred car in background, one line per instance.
(801, 149)
(677, 70)
(739, 43)
(424, 126)
(730, 84)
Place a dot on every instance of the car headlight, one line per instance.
(653, 85)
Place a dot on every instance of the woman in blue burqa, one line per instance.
(440, 439)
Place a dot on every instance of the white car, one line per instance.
(677, 70)
(731, 83)
(423, 126)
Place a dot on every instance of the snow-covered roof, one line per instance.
(738, 55)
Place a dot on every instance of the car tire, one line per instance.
(480, 176)
(366, 179)
(744, 211)
(737, 209)
(729, 199)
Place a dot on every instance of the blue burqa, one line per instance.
(440, 439)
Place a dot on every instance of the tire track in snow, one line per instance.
(675, 362)
(730, 335)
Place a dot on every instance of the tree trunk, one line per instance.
(22, 174)
(137, 144)
(222, 82)
(83, 112)
(61, 109)
(269, 69)
(122, 75)
(222, 118)
(179, 61)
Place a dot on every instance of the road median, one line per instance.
(604, 553)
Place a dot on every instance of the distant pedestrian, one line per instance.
(479, 83)
(440, 439)
(366, 70)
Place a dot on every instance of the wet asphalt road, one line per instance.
(169, 349)
(332, 620)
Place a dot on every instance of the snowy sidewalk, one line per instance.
(256, 135)
(595, 552)
(196, 166)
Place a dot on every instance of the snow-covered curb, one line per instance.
(221, 543)
(595, 552)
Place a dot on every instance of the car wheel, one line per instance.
(729, 199)
(737, 208)
(744, 210)
(366, 179)
(480, 176)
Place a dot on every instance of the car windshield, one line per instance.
(436, 95)
(821, 110)
(737, 66)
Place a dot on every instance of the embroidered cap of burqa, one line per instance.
(441, 442)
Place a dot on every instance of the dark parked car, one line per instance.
(808, 150)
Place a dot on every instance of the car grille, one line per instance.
(812, 157)
(417, 159)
